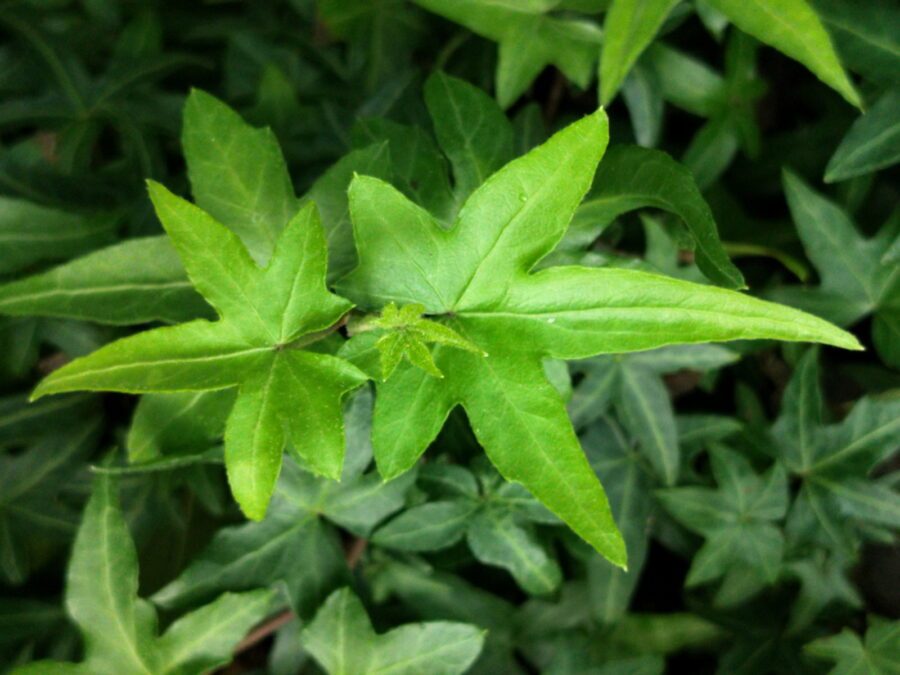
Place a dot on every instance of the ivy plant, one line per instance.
(473, 278)
(452, 336)
(119, 628)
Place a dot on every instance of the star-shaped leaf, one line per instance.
(36, 513)
(736, 519)
(634, 383)
(857, 279)
(495, 517)
(475, 278)
(342, 640)
(267, 317)
(876, 654)
(408, 335)
(119, 628)
(834, 462)
(295, 537)
(529, 38)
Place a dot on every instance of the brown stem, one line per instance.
(264, 630)
(353, 554)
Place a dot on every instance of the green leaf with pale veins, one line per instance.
(834, 461)
(857, 276)
(35, 511)
(495, 538)
(341, 638)
(630, 488)
(295, 544)
(475, 278)
(873, 142)
(31, 233)
(631, 177)
(629, 28)
(736, 520)
(119, 628)
(267, 316)
(429, 527)
(793, 28)
(530, 39)
(177, 424)
(237, 173)
(866, 35)
(137, 281)
(877, 653)
(471, 129)
(329, 193)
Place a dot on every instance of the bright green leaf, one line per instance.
(476, 275)
(629, 28)
(266, 316)
(792, 27)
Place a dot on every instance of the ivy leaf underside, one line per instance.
(119, 628)
(475, 278)
(266, 315)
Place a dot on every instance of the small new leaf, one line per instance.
(408, 335)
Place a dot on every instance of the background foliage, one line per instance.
(754, 482)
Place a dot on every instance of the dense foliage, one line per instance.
(445, 336)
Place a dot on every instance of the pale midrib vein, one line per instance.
(32, 238)
(108, 590)
(342, 635)
(47, 468)
(162, 428)
(849, 261)
(445, 646)
(95, 290)
(863, 148)
(654, 427)
(256, 450)
(579, 506)
(810, 51)
(542, 574)
(436, 526)
(34, 411)
(850, 28)
(187, 648)
(850, 495)
(140, 364)
(537, 315)
(548, 184)
(852, 448)
(255, 555)
(825, 522)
